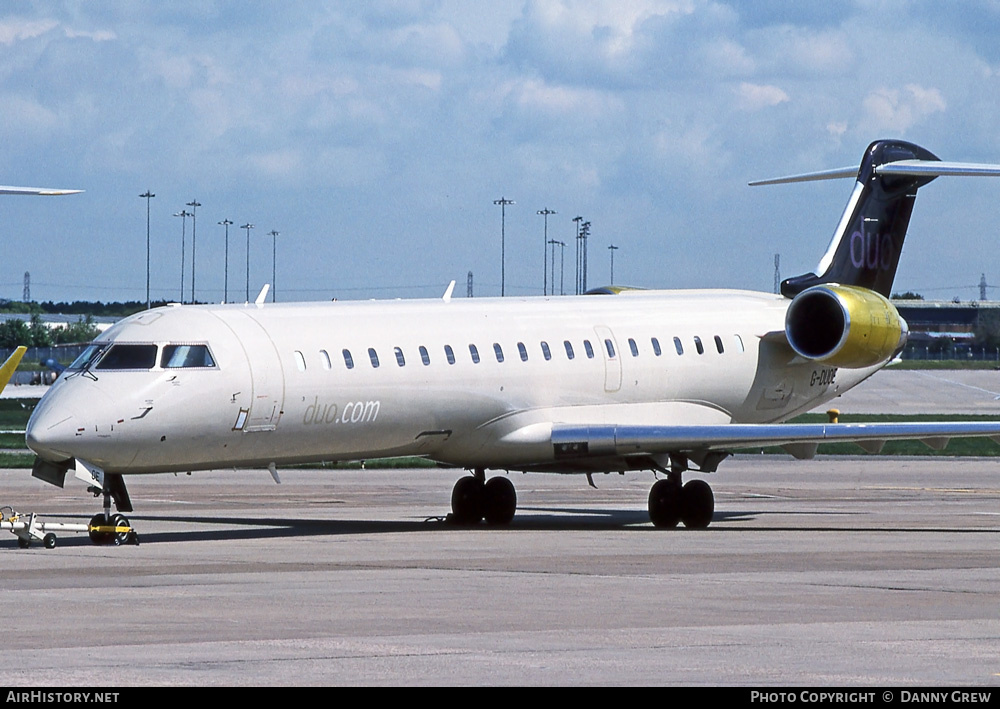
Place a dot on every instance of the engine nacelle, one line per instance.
(844, 326)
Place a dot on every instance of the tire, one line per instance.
(467, 500)
(49, 540)
(100, 538)
(664, 504)
(500, 501)
(119, 538)
(697, 504)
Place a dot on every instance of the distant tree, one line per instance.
(908, 295)
(83, 330)
(14, 333)
(39, 332)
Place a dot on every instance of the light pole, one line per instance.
(578, 220)
(612, 249)
(183, 214)
(562, 268)
(584, 234)
(274, 260)
(503, 202)
(194, 204)
(545, 267)
(226, 223)
(248, 226)
(552, 246)
(147, 195)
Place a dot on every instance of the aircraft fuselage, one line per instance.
(474, 383)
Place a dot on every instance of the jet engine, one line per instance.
(844, 326)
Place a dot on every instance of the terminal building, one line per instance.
(951, 330)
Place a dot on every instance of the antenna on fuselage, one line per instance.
(262, 295)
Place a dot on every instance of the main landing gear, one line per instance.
(671, 502)
(475, 498)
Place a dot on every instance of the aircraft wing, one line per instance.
(44, 191)
(799, 439)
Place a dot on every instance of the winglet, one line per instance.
(447, 294)
(8, 367)
(262, 296)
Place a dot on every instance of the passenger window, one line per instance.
(128, 357)
(569, 349)
(348, 360)
(498, 351)
(698, 346)
(718, 344)
(739, 343)
(400, 360)
(589, 349)
(424, 356)
(634, 347)
(656, 346)
(546, 353)
(474, 351)
(324, 359)
(300, 360)
(449, 354)
(610, 347)
(678, 346)
(523, 351)
(177, 356)
(373, 356)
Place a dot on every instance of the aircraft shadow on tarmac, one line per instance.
(527, 519)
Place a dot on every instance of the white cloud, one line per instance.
(97, 35)
(24, 115)
(898, 110)
(753, 97)
(18, 29)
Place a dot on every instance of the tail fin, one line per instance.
(865, 247)
(8, 367)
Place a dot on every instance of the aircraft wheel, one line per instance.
(23, 543)
(499, 501)
(119, 538)
(100, 538)
(467, 500)
(664, 504)
(697, 504)
(49, 540)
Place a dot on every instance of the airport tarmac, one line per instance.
(924, 391)
(831, 572)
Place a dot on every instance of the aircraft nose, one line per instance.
(50, 432)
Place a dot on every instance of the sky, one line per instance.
(375, 138)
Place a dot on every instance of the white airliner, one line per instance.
(668, 381)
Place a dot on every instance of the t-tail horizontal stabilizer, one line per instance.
(866, 245)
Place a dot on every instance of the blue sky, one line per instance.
(374, 137)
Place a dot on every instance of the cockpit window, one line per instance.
(87, 357)
(186, 356)
(128, 357)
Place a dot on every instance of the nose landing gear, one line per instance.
(116, 530)
(107, 528)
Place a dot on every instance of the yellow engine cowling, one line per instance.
(844, 326)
